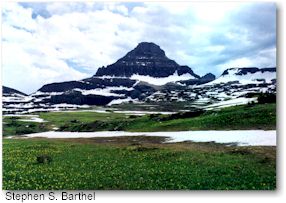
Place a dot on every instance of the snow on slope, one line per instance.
(104, 91)
(15, 98)
(249, 78)
(231, 102)
(162, 80)
(119, 101)
(39, 93)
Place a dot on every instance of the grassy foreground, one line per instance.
(143, 164)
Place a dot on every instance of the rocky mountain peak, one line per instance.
(145, 50)
(146, 59)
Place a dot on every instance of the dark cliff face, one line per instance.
(208, 77)
(145, 50)
(8, 90)
(205, 79)
(87, 84)
(146, 59)
(244, 71)
(268, 69)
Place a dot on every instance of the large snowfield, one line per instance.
(239, 137)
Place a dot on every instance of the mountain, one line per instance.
(147, 59)
(205, 79)
(235, 86)
(246, 76)
(11, 91)
(146, 74)
(133, 77)
(14, 101)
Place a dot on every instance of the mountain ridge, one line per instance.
(246, 75)
(9, 90)
(245, 70)
(146, 74)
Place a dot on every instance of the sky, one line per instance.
(60, 41)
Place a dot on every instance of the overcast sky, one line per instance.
(55, 42)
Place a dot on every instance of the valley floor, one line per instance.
(138, 162)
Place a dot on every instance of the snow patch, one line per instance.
(47, 93)
(27, 118)
(16, 98)
(64, 105)
(34, 119)
(119, 101)
(104, 91)
(231, 102)
(141, 113)
(249, 78)
(239, 137)
(109, 77)
(162, 80)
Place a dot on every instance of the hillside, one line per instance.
(144, 75)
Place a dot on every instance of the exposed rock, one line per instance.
(208, 77)
(205, 79)
(8, 90)
(146, 59)
(77, 98)
(87, 84)
(244, 71)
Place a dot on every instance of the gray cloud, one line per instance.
(81, 37)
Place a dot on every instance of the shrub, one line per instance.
(21, 130)
(264, 98)
(250, 104)
(42, 159)
(190, 114)
(133, 116)
(74, 121)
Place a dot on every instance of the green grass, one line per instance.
(154, 106)
(232, 118)
(92, 166)
(12, 126)
(259, 116)
(262, 116)
(60, 118)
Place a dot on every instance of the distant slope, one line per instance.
(8, 90)
(14, 101)
(146, 74)
(205, 79)
(246, 76)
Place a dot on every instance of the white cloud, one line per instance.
(42, 46)
(264, 58)
(77, 38)
(29, 58)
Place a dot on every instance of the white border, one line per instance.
(212, 196)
